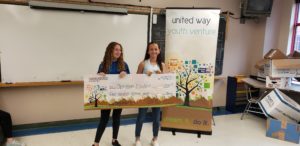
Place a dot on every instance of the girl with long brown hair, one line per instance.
(113, 63)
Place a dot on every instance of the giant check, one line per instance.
(134, 90)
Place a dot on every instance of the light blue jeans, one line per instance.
(140, 120)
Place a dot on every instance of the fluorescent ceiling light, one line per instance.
(75, 7)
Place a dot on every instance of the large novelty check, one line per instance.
(134, 90)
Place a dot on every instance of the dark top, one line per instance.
(113, 68)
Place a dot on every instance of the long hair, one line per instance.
(158, 59)
(108, 58)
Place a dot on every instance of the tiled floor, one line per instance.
(228, 131)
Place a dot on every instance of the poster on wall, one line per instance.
(132, 91)
(191, 43)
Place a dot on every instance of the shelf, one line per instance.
(34, 84)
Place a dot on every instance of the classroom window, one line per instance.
(296, 29)
(296, 34)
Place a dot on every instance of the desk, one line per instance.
(254, 100)
(254, 83)
(261, 85)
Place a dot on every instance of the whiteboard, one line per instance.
(45, 45)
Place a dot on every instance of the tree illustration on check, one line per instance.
(96, 94)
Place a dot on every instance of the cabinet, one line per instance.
(236, 99)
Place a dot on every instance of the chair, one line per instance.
(252, 105)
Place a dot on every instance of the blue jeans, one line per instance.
(141, 118)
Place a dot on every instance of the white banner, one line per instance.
(191, 44)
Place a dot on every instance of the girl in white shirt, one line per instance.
(152, 64)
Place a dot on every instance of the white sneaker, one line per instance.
(138, 143)
(154, 143)
(15, 143)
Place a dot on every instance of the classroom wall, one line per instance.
(271, 36)
(279, 26)
(286, 25)
(278, 31)
(243, 45)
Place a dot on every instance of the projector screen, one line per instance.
(46, 45)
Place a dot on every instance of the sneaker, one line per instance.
(15, 143)
(115, 143)
(154, 143)
(138, 143)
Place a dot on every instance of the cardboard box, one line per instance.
(239, 78)
(278, 82)
(295, 54)
(272, 54)
(283, 130)
(261, 64)
(261, 76)
(275, 54)
(279, 106)
(276, 64)
(282, 68)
